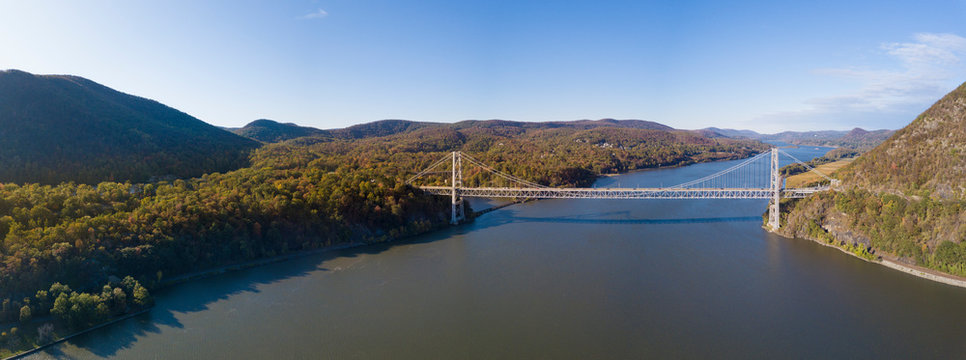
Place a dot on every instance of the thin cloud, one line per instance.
(926, 67)
(317, 14)
(925, 70)
(929, 50)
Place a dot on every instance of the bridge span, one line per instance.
(755, 178)
(620, 193)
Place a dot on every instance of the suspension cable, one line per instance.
(717, 174)
(502, 174)
(428, 169)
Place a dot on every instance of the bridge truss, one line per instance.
(755, 178)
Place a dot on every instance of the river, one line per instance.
(558, 279)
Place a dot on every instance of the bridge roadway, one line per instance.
(621, 193)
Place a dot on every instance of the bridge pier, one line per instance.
(774, 215)
(458, 214)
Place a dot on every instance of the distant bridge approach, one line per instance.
(754, 178)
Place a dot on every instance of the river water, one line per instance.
(558, 279)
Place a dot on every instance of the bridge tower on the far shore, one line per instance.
(774, 220)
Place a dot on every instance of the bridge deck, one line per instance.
(621, 193)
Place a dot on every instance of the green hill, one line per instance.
(66, 128)
(382, 128)
(271, 131)
(903, 200)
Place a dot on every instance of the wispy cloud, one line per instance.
(924, 70)
(317, 14)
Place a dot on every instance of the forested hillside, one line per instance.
(270, 131)
(926, 158)
(65, 128)
(557, 155)
(905, 199)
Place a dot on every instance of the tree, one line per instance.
(25, 314)
(61, 307)
(120, 300)
(141, 295)
(43, 303)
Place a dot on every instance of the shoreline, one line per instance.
(198, 275)
(924, 273)
(917, 271)
(76, 334)
(258, 262)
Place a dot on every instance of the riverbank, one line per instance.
(191, 277)
(257, 262)
(232, 268)
(76, 334)
(917, 271)
(300, 254)
(925, 273)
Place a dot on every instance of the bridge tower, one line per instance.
(776, 184)
(457, 183)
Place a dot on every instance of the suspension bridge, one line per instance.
(754, 178)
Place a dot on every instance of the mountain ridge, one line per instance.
(271, 131)
(68, 128)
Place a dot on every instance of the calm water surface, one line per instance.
(559, 279)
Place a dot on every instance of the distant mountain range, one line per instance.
(270, 131)
(855, 138)
(56, 128)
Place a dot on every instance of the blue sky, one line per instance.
(761, 65)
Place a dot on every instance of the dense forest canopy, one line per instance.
(66, 128)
